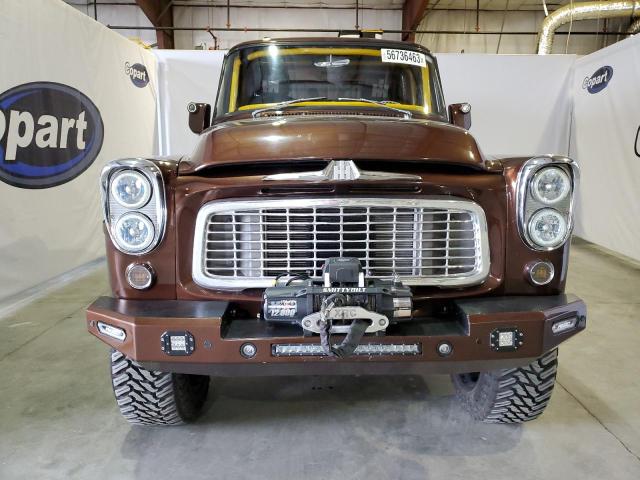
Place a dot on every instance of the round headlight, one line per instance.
(131, 189)
(134, 232)
(547, 228)
(550, 185)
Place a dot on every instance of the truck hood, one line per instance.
(277, 139)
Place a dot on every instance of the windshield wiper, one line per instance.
(406, 113)
(288, 103)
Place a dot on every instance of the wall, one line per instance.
(45, 232)
(519, 103)
(605, 140)
(183, 77)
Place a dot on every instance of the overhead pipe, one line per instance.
(582, 11)
(337, 30)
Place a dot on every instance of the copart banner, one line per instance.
(605, 142)
(73, 95)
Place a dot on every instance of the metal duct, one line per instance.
(634, 27)
(582, 11)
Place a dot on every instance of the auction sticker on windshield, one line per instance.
(392, 55)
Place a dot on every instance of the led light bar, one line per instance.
(314, 349)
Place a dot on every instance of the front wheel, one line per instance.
(513, 395)
(147, 397)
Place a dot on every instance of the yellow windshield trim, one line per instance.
(235, 77)
(314, 51)
(329, 103)
(426, 89)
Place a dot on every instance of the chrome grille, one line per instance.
(245, 244)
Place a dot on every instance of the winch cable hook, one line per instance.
(356, 331)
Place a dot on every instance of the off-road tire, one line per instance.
(514, 395)
(146, 397)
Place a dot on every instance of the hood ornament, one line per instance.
(342, 170)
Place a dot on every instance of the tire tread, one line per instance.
(512, 395)
(147, 397)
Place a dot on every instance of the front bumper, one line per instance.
(218, 335)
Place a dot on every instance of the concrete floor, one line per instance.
(58, 418)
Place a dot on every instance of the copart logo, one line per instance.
(138, 74)
(599, 80)
(49, 134)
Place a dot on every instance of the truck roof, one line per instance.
(366, 42)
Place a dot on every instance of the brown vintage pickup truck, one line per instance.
(336, 217)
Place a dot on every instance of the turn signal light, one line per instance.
(111, 331)
(562, 326)
(540, 273)
(140, 276)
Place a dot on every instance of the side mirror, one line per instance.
(460, 115)
(199, 116)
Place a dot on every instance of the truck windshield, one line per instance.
(262, 76)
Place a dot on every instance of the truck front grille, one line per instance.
(247, 243)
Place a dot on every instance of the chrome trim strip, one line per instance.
(342, 170)
(157, 202)
(525, 174)
(241, 283)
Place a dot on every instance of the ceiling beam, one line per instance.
(160, 14)
(412, 13)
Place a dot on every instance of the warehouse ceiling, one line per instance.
(384, 4)
(497, 5)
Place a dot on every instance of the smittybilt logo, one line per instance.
(599, 80)
(138, 74)
(49, 134)
(344, 290)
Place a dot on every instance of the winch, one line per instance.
(344, 302)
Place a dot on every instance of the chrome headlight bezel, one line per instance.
(154, 209)
(528, 204)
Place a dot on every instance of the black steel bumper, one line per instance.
(474, 334)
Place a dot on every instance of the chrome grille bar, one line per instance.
(240, 244)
